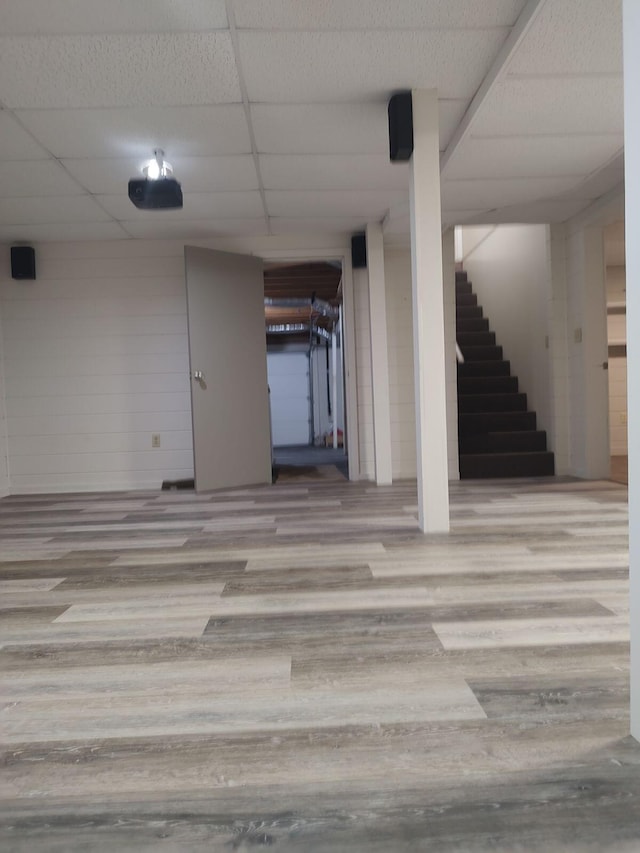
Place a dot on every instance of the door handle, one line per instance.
(198, 375)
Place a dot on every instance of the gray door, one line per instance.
(227, 352)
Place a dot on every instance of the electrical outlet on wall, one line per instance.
(155, 440)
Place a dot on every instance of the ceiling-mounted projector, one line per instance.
(161, 194)
(158, 190)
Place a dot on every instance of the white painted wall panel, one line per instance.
(96, 350)
(96, 359)
(397, 263)
(4, 448)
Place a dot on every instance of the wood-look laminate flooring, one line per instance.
(296, 667)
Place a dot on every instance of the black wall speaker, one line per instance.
(23, 262)
(400, 127)
(358, 251)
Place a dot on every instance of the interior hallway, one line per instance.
(295, 666)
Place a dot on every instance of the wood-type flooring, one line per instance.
(295, 667)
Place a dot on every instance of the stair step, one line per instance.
(466, 299)
(481, 353)
(470, 423)
(476, 339)
(484, 368)
(463, 287)
(471, 324)
(461, 275)
(487, 384)
(468, 403)
(526, 441)
(482, 465)
(464, 311)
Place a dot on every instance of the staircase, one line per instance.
(497, 434)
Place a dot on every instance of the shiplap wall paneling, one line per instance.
(96, 362)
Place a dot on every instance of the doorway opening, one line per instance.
(616, 289)
(305, 368)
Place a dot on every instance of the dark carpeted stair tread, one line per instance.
(477, 465)
(468, 403)
(475, 339)
(484, 368)
(464, 311)
(471, 324)
(487, 384)
(528, 441)
(481, 422)
(481, 353)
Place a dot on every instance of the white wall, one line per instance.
(617, 336)
(397, 270)
(4, 449)
(96, 361)
(587, 348)
(509, 268)
(363, 374)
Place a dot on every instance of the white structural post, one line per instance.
(334, 387)
(428, 316)
(379, 355)
(631, 39)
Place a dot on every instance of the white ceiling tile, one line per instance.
(205, 229)
(312, 225)
(332, 172)
(62, 232)
(459, 217)
(594, 45)
(541, 212)
(36, 178)
(232, 205)
(612, 175)
(348, 66)
(450, 113)
(533, 156)
(369, 204)
(33, 17)
(358, 128)
(135, 132)
(196, 174)
(50, 210)
(487, 194)
(15, 142)
(559, 106)
(125, 70)
(321, 128)
(374, 14)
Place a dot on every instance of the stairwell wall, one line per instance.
(4, 449)
(508, 266)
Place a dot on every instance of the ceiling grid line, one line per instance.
(246, 106)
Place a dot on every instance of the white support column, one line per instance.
(428, 316)
(379, 355)
(350, 411)
(334, 388)
(631, 39)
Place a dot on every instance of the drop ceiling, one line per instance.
(273, 112)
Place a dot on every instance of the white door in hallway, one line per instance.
(290, 405)
(228, 360)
